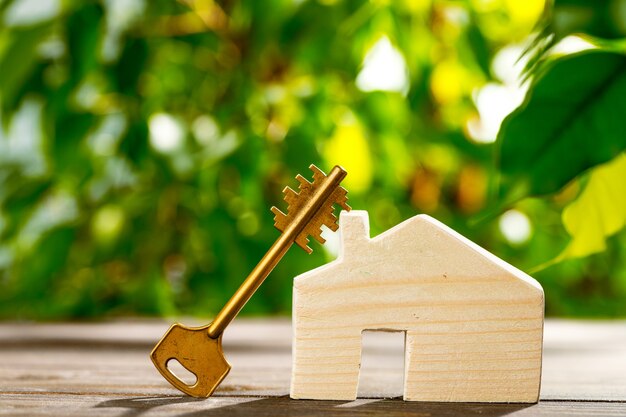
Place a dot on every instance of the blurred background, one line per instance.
(142, 143)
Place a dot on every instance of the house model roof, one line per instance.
(418, 248)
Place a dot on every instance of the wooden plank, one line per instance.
(69, 405)
(113, 358)
(70, 367)
(584, 360)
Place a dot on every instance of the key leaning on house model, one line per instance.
(199, 349)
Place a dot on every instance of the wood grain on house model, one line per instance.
(473, 323)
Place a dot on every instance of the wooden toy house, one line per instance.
(473, 323)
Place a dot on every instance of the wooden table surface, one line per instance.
(103, 369)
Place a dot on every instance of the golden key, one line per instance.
(199, 349)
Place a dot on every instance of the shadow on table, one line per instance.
(139, 405)
(284, 406)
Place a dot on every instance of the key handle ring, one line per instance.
(190, 346)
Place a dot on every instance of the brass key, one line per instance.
(199, 349)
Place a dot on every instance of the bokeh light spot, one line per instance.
(108, 222)
(31, 12)
(384, 69)
(166, 132)
(248, 223)
(515, 226)
(205, 130)
(572, 45)
(494, 102)
(525, 12)
(447, 82)
(348, 147)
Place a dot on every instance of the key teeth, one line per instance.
(280, 219)
(277, 212)
(304, 183)
(318, 174)
(303, 241)
(340, 197)
(315, 169)
(327, 218)
(291, 196)
(343, 202)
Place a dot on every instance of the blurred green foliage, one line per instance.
(567, 105)
(143, 142)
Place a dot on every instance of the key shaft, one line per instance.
(276, 252)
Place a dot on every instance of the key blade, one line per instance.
(197, 353)
(324, 215)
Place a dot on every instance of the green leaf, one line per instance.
(572, 119)
(18, 59)
(601, 19)
(599, 211)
